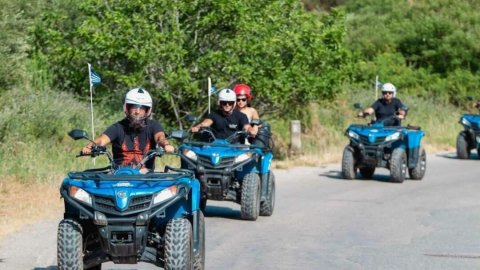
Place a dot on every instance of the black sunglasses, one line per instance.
(386, 92)
(230, 103)
(136, 106)
(242, 99)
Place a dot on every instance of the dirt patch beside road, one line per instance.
(26, 203)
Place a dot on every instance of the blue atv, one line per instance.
(374, 145)
(469, 138)
(230, 170)
(118, 214)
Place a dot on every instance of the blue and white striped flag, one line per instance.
(213, 90)
(94, 77)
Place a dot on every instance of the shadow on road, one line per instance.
(222, 212)
(453, 155)
(46, 268)
(337, 175)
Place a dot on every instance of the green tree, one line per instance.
(287, 55)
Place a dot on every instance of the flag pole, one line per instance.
(209, 89)
(91, 98)
(91, 102)
(376, 87)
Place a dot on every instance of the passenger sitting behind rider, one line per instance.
(135, 135)
(244, 95)
(385, 108)
(225, 121)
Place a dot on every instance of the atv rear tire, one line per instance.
(367, 172)
(348, 163)
(178, 244)
(199, 256)
(69, 245)
(267, 206)
(463, 151)
(418, 172)
(250, 204)
(398, 165)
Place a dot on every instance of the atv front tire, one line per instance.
(69, 245)
(199, 256)
(250, 204)
(398, 165)
(267, 206)
(418, 172)
(178, 244)
(463, 152)
(348, 163)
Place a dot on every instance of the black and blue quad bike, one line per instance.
(396, 148)
(118, 214)
(469, 138)
(230, 170)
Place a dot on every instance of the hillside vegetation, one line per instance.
(305, 62)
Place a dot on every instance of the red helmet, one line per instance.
(243, 89)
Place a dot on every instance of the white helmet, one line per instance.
(227, 95)
(138, 96)
(388, 87)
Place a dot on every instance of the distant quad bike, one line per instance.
(231, 170)
(374, 145)
(469, 138)
(117, 214)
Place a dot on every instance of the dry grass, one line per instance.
(26, 203)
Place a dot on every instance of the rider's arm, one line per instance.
(205, 123)
(163, 142)
(367, 111)
(101, 140)
(255, 116)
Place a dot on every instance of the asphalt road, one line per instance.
(324, 222)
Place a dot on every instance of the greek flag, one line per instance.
(213, 90)
(94, 77)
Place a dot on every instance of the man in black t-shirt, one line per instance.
(386, 107)
(135, 135)
(226, 121)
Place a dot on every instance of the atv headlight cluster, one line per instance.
(243, 157)
(189, 154)
(353, 135)
(466, 122)
(80, 195)
(393, 137)
(165, 194)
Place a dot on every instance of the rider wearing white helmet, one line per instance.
(134, 135)
(386, 107)
(225, 120)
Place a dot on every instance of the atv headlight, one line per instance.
(352, 135)
(466, 122)
(393, 137)
(189, 154)
(80, 195)
(165, 194)
(243, 157)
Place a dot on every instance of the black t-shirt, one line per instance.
(129, 146)
(384, 110)
(225, 125)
